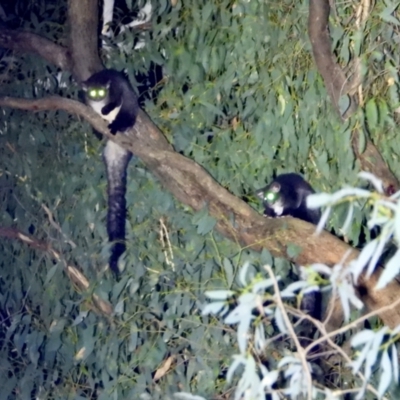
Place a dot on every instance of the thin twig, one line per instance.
(56, 226)
(164, 234)
(301, 352)
(74, 274)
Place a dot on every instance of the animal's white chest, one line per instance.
(278, 208)
(110, 117)
(98, 106)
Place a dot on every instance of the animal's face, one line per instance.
(272, 198)
(97, 93)
(271, 194)
(97, 96)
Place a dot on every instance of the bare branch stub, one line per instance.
(22, 41)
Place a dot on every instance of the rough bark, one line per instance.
(83, 20)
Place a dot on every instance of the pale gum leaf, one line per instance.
(377, 183)
(391, 269)
(386, 374)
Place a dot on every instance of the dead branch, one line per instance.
(75, 275)
(22, 42)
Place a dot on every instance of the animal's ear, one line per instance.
(275, 187)
(260, 193)
(124, 73)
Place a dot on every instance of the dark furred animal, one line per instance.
(111, 95)
(286, 195)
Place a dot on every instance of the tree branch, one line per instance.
(236, 220)
(335, 80)
(190, 183)
(30, 42)
(75, 275)
(83, 20)
(337, 84)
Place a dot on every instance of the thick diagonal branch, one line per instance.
(235, 219)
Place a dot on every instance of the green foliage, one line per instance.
(375, 45)
(241, 96)
(230, 79)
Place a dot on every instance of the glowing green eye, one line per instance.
(270, 197)
(97, 93)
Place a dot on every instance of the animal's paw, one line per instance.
(114, 127)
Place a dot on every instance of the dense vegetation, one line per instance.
(234, 87)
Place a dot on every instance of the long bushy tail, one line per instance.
(116, 160)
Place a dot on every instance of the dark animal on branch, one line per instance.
(111, 95)
(286, 196)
